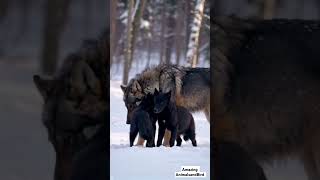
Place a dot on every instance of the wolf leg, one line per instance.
(167, 136)
(173, 136)
(179, 140)
(192, 136)
(161, 132)
(150, 143)
(140, 141)
(193, 140)
(133, 135)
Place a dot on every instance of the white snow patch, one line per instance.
(159, 163)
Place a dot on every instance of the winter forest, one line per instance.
(159, 31)
(145, 34)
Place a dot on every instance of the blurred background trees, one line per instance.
(35, 36)
(55, 18)
(44, 31)
(158, 31)
(267, 9)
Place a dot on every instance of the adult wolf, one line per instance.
(190, 87)
(75, 108)
(266, 88)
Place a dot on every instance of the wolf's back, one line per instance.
(266, 84)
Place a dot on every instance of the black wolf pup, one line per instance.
(177, 119)
(143, 121)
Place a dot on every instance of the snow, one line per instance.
(159, 163)
(145, 24)
(124, 17)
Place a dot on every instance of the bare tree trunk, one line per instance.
(188, 22)
(269, 9)
(4, 6)
(198, 47)
(300, 9)
(169, 36)
(178, 31)
(163, 30)
(128, 53)
(114, 13)
(216, 7)
(55, 20)
(24, 9)
(150, 36)
(195, 33)
(266, 8)
(136, 26)
(87, 16)
(149, 52)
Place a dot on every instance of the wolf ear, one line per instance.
(156, 91)
(92, 80)
(123, 88)
(44, 86)
(83, 77)
(136, 86)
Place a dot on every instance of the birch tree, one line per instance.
(195, 33)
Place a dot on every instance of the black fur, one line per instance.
(143, 121)
(231, 161)
(90, 162)
(177, 119)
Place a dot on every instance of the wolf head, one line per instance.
(161, 100)
(132, 94)
(72, 110)
(139, 86)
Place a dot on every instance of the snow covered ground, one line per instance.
(159, 163)
(138, 163)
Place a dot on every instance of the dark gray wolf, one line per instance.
(190, 87)
(177, 119)
(231, 161)
(143, 121)
(75, 102)
(266, 88)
